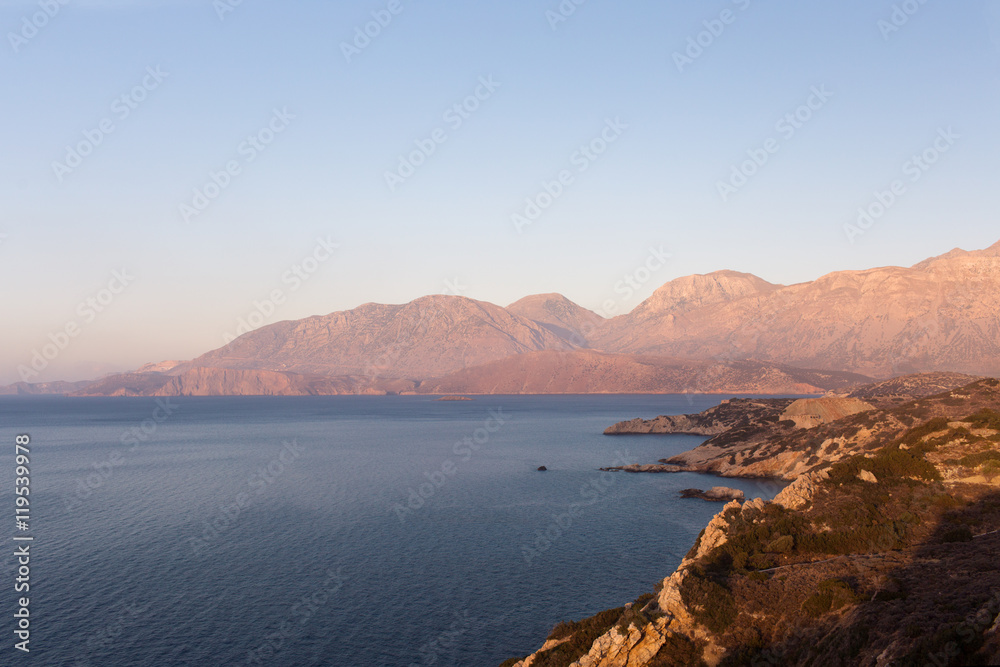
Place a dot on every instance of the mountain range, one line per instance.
(720, 332)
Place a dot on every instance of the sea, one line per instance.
(395, 531)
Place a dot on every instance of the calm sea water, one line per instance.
(392, 531)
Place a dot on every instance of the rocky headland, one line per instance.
(881, 551)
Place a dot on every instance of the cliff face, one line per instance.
(884, 557)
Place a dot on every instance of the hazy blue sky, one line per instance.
(679, 127)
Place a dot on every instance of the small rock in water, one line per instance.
(542, 468)
(716, 493)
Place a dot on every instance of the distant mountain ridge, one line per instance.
(720, 332)
(942, 314)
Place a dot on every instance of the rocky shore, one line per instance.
(880, 552)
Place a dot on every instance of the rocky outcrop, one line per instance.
(898, 390)
(844, 566)
(730, 413)
(800, 492)
(766, 441)
(714, 494)
(810, 412)
(644, 467)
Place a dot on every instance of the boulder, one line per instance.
(867, 476)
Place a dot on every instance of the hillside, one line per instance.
(587, 371)
(429, 337)
(844, 567)
(559, 315)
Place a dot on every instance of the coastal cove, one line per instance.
(419, 532)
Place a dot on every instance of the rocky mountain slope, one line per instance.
(942, 314)
(39, 388)
(559, 315)
(234, 382)
(883, 556)
(429, 337)
(587, 371)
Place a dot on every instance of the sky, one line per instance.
(168, 169)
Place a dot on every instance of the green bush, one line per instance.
(678, 650)
(991, 468)
(915, 435)
(977, 459)
(582, 636)
(985, 418)
(890, 463)
(782, 545)
(710, 603)
(957, 534)
(883, 535)
(831, 595)
(944, 501)
(760, 562)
